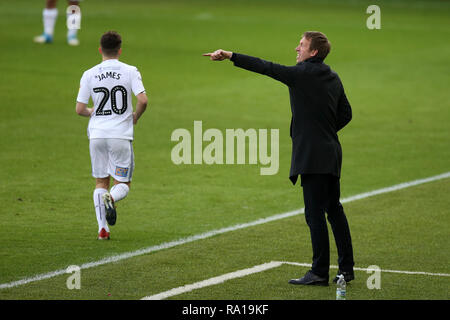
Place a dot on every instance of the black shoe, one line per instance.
(111, 214)
(348, 276)
(310, 279)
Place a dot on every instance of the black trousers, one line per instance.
(321, 194)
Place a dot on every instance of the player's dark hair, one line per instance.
(111, 43)
(319, 42)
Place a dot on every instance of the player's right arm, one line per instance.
(83, 110)
(83, 98)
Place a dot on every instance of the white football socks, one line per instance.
(100, 209)
(71, 33)
(49, 18)
(119, 191)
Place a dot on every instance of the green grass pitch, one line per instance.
(396, 79)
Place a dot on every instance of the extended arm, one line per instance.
(276, 71)
(219, 55)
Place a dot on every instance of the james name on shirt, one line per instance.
(106, 75)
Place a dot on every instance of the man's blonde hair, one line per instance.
(319, 42)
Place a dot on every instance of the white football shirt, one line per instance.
(110, 85)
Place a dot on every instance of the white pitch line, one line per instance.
(209, 234)
(381, 270)
(256, 269)
(215, 280)
(395, 187)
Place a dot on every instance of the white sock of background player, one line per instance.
(71, 33)
(49, 17)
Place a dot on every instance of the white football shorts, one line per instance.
(112, 157)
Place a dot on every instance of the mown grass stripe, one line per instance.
(167, 245)
(261, 268)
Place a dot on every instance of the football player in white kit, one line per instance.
(110, 130)
(49, 16)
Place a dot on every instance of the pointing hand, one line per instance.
(219, 55)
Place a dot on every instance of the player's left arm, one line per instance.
(141, 105)
(138, 89)
(83, 110)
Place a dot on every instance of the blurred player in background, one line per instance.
(110, 130)
(49, 16)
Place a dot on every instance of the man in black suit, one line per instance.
(319, 110)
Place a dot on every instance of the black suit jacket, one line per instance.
(319, 110)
